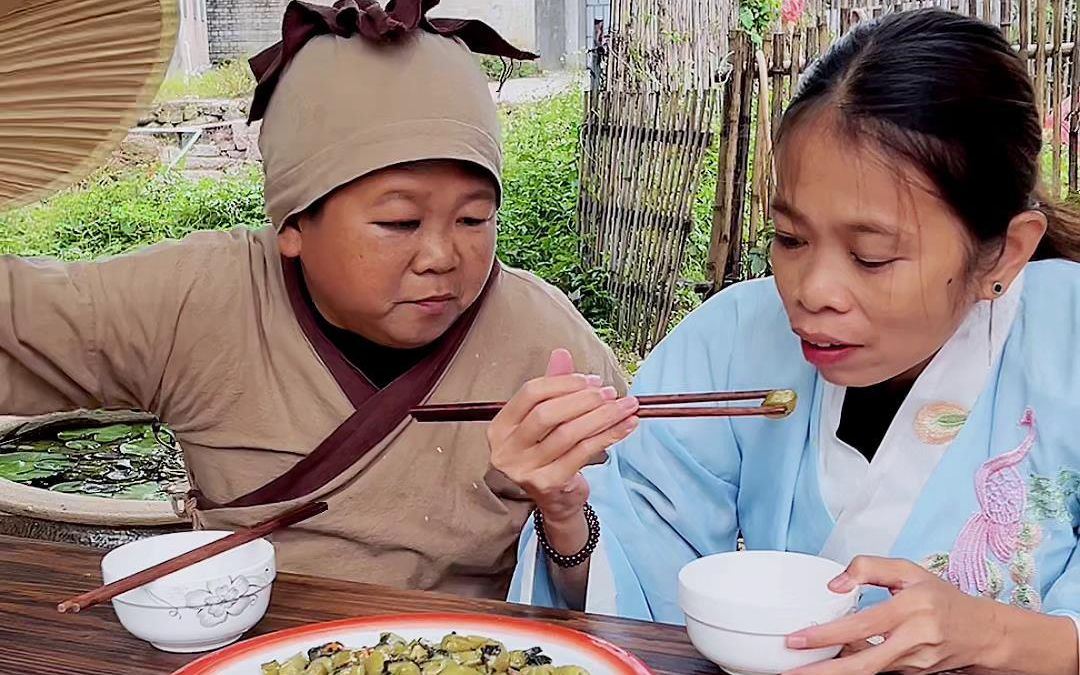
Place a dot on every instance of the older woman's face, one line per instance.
(398, 255)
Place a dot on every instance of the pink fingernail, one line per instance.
(629, 403)
(841, 583)
(629, 425)
(594, 380)
(608, 393)
(796, 642)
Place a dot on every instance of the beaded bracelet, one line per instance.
(568, 561)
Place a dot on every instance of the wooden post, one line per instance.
(597, 57)
(824, 38)
(720, 239)
(1059, 75)
(742, 165)
(758, 186)
(1025, 33)
(776, 65)
(1040, 56)
(1074, 113)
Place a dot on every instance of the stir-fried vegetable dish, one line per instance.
(454, 655)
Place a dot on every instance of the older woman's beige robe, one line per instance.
(208, 334)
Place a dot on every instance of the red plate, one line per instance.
(565, 647)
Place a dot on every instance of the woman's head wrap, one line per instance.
(355, 88)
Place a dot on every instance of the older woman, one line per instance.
(286, 359)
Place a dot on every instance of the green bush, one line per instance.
(536, 222)
(115, 213)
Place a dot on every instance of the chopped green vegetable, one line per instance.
(392, 655)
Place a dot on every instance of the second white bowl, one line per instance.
(741, 606)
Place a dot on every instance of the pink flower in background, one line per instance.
(792, 10)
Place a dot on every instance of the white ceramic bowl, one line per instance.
(200, 608)
(740, 607)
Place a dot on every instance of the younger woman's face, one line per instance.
(872, 267)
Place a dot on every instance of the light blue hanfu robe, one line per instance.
(977, 478)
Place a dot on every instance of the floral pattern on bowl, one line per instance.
(220, 599)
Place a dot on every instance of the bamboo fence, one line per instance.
(677, 76)
(761, 82)
(649, 122)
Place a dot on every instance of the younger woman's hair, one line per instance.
(947, 95)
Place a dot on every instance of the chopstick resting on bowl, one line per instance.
(239, 538)
(777, 403)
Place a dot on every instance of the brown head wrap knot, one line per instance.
(346, 18)
(353, 89)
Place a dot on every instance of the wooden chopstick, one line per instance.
(239, 538)
(655, 399)
(782, 404)
(762, 410)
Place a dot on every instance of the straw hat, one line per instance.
(74, 76)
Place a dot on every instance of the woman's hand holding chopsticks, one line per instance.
(542, 438)
(552, 428)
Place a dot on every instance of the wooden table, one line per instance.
(34, 638)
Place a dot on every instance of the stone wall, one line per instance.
(194, 112)
(221, 150)
(226, 144)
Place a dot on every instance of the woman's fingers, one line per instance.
(557, 424)
(561, 362)
(558, 473)
(583, 426)
(553, 413)
(890, 573)
(877, 620)
(873, 660)
(534, 393)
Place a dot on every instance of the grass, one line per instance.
(229, 80)
(116, 212)
(493, 67)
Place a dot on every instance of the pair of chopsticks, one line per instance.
(239, 538)
(776, 403)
